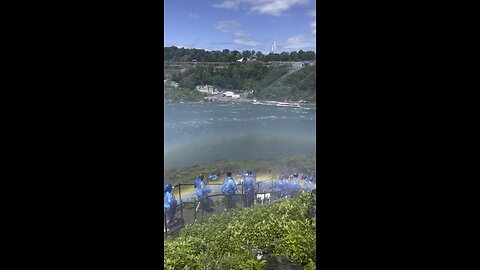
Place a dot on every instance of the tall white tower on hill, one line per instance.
(274, 47)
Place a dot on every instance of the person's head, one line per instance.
(167, 188)
(295, 175)
(201, 176)
(229, 174)
(249, 172)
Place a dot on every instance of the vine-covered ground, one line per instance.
(232, 240)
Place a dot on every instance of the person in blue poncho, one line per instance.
(201, 190)
(169, 204)
(295, 187)
(279, 188)
(307, 183)
(249, 186)
(229, 188)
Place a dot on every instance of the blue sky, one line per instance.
(241, 24)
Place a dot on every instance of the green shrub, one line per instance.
(225, 241)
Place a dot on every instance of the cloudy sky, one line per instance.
(241, 24)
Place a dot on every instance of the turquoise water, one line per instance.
(204, 132)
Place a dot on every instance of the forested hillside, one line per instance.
(181, 94)
(299, 85)
(267, 82)
(238, 76)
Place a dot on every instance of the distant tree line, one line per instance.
(187, 55)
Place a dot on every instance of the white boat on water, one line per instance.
(288, 104)
(256, 102)
(277, 103)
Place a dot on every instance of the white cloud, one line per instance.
(313, 24)
(299, 42)
(270, 7)
(246, 42)
(275, 7)
(228, 4)
(193, 15)
(242, 37)
(230, 27)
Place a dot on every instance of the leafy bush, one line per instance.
(181, 94)
(226, 241)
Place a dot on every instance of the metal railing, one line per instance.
(180, 206)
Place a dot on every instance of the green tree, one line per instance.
(246, 54)
(284, 56)
(260, 56)
(301, 55)
(310, 55)
(293, 56)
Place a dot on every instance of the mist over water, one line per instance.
(204, 132)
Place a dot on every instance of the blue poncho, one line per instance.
(169, 200)
(249, 184)
(229, 186)
(170, 205)
(280, 188)
(201, 189)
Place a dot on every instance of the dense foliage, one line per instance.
(301, 163)
(186, 55)
(181, 94)
(235, 76)
(299, 85)
(226, 241)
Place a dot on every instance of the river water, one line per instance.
(204, 132)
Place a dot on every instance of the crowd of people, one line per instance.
(285, 186)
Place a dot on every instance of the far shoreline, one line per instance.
(224, 100)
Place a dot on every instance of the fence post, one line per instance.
(180, 198)
(227, 202)
(195, 210)
(165, 222)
